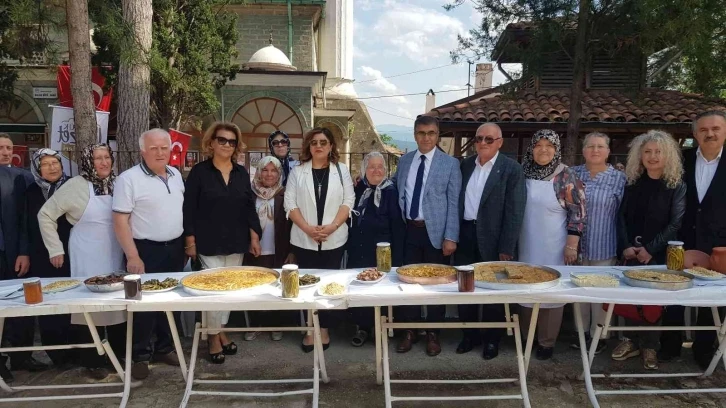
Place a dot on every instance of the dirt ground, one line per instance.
(553, 383)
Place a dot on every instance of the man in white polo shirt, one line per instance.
(147, 205)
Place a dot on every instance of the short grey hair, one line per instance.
(367, 158)
(707, 114)
(499, 129)
(591, 135)
(151, 132)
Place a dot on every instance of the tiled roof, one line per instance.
(647, 106)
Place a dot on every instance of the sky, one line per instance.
(393, 37)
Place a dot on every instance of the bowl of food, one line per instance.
(332, 290)
(662, 279)
(698, 272)
(514, 276)
(219, 281)
(61, 285)
(370, 276)
(595, 280)
(157, 286)
(111, 282)
(308, 281)
(426, 274)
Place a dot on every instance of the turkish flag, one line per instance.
(179, 146)
(100, 99)
(20, 154)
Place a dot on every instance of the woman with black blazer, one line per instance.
(376, 218)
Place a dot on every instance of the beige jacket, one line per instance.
(70, 200)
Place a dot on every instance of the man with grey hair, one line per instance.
(491, 208)
(704, 225)
(147, 205)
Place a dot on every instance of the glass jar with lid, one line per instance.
(675, 255)
(383, 256)
(290, 281)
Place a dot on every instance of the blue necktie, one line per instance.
(415, 201)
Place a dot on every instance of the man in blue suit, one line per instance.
(428, 183)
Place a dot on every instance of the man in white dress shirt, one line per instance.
(704, 224)
(493, 195)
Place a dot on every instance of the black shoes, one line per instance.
(544, 353)
(31, 365)
(491, 351)
(6, 374)
(467, 344)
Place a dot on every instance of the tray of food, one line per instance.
(111, 282)
(218, 281)
(595, 280)
(699, 272)
(514, 276)
(332, 290)
(370, 276)
(157, 286)
(61, 285)
(308, 281)
(662, 279)
(426, 274)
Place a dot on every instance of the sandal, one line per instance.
(229, 349)
(359, 339)
(216, 358)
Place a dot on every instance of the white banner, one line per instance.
(63, 134)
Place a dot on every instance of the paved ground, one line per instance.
(352, 372)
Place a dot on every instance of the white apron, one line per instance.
(544, 229)
(95, 251)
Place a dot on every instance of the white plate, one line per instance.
(312, 285)
(318, 292)
(151, 292)
(373, 282)
(18, 292)
(697, 276)
(78, 283)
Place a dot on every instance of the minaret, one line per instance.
(336, 48)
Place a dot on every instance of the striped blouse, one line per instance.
(603, 196)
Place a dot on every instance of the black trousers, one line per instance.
(88, 357)
(467, 252)
(328, 259)
(705, 340)
(672, 341)
(157, 257)
(17, 331)
(418, 249)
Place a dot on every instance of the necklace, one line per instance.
(318, 182)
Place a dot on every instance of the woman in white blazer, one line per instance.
(318, 199)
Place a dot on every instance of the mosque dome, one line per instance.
(270, 58)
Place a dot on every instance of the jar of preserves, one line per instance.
(675, 255)
(290, 281)
(33, 291)
(383, 256)
(465, 277)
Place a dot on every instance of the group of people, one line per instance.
(312, 212)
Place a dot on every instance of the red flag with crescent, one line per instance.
(20, 156)
(100, 99)
(179, 146)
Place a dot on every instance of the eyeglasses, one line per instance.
(321, 143)
(223, 141)
(488, 140)
(281, 142)
(50, 164)
(430, 134)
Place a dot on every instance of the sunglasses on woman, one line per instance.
(223, 141)
(281, 142)
(488, 140)
(321, 143)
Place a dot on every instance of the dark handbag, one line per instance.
(637, 313)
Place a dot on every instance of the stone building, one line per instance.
(296, 73)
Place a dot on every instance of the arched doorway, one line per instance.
(262, 116)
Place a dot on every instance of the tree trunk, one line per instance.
(578, 83)
(133, 83)
(79, 48)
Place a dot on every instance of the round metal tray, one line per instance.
(437, 280)
(200, 292)
(517, 286)
(111, 287)
(658, 285)
(703, 277)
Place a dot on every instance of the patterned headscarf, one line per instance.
(376, 191)
(46, 186)
(101, 186)
(267, 194)
(285, 161)
(534, 171)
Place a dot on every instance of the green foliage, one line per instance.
(388, 139)
(191, 57)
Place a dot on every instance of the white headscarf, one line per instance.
(267, 194)
(376, 191)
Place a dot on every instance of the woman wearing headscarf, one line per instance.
(279, 144)
(85, 201)
(377, 218)
(554, 218)
(47, 169)
(650, 215)
(275, 238)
